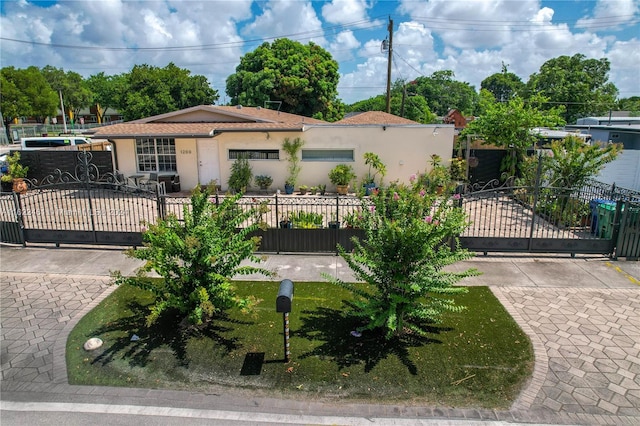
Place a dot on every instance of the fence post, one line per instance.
(278, 229)
(19, 217)
(536, 191)
(620, 205)
(337, 223)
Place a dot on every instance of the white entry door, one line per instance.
(208, 161)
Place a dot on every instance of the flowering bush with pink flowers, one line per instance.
(410, 236)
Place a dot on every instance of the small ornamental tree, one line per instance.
(410, 236)
(197, 258)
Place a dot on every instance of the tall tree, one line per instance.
(580, 84)
(504, 85)
(508, 125)
(303, 77)
(105, 89)
(75, 92)
(26, 93)
(150, 90)
(443, 93)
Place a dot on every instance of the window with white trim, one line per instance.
(156, 155)
(340, 155)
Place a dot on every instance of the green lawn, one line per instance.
(478, 358)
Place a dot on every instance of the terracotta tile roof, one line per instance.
(375, 117)
(155, 129)
(270, 115)
(240, 119)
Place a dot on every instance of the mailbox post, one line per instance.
(283, 304)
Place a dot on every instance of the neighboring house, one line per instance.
(200, 144)
(625, 170)
(546, 136)
(456, 118)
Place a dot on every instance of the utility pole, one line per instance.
(390, 52)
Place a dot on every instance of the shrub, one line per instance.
(197, 258)
(410, 236)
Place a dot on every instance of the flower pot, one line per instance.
(368, 188)
(285, 224)
(288, 189)
(343, 189)
(334, 225)
(19, 185)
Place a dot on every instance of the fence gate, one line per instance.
(10, 229)
(80, 207)
(536, 219)
(628, 241)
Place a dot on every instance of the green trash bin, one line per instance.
(606, 215)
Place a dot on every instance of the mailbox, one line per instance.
(285, 296)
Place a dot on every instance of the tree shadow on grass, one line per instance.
(169, 330)
(333, 329)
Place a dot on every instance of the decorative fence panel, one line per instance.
(90, 207)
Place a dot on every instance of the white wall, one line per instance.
(404, 150)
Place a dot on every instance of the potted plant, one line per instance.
(291, 148)
(374, 162)
(322, 188)
(341, 176)
(285, 222)
(263, 181)
(16, 173)
(240, 174)
(313, 190)
(303, 189)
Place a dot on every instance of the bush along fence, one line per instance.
(294, 223)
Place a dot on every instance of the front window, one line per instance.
(156, 155)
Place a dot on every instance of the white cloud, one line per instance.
(611, 14)
(343, 45)
(288, 18)
(345, 11)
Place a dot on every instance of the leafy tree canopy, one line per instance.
(150, 90)
(443, 93)
(403, 104)
(26, 93)
(504, 85)
(105, 89)
(75, 92)
(631, 104)
(580, 84)
(508, 124)
(303, 77)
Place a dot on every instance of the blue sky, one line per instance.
(472, 37)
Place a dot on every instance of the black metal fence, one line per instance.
(93, 208)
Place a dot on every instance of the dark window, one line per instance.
(254, 154)
(327, 155)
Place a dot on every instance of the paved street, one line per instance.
(582, 315)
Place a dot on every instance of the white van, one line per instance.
(52, 142)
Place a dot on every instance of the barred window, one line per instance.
(254, 154)
(156, 155)
(339, 155)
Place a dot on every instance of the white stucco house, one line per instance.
(201, 143)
